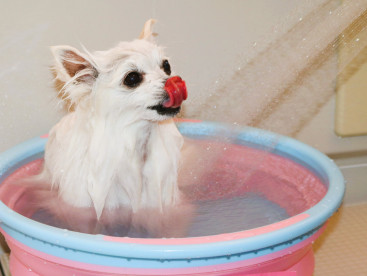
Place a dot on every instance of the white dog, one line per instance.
(119, 146)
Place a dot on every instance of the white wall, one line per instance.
(202, 37)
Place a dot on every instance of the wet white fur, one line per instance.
(112, 150)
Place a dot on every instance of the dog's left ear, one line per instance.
(147, 32)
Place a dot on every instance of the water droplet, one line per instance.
(255, 43)
(330, 12)
(300, 19)
(357, 39)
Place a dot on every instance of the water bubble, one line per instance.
(300, 19)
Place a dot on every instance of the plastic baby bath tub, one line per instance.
(280, 248)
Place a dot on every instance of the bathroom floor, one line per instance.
(342, 248)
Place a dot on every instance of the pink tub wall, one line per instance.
(28, 261)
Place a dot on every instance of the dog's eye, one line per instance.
(166, 67)
(133, 79)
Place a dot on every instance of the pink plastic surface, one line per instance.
(239, 170)
(296, 259)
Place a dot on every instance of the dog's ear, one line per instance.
(147, 32)
(70, 63)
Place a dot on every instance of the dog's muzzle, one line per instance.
(177, 92)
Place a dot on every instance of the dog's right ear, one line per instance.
(72, 64)
(147, 32)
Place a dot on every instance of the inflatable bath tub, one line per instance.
(263, 200)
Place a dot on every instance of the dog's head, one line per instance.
(132, 79)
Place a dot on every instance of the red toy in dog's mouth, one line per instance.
(176, 90)
(176, 93)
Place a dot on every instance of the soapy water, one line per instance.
(246, 187)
